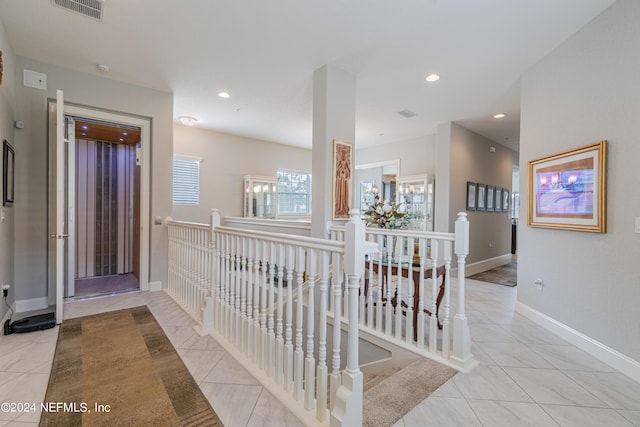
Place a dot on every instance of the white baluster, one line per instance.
(433, 320)
(334, 377)
(446, 333)
(411, 286)
(279, 322)
(322, 412)
(298, 355)
(421, 316)
(381, 288)
(399, 290)
(271, 306)
(288, 343)
(309, 363)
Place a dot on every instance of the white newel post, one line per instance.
(210, 300)
(461, 338)
(347, 410)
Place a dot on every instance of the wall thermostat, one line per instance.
(19, 124)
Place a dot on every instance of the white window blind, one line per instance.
(186, 181)
(294, 192)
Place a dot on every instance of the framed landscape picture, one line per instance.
(568, 190)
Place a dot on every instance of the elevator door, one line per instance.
(107, 202)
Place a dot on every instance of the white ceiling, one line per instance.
(264, 54)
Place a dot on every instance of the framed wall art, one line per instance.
(491, 192)
(481, 203)
(568, 190)
(471, 196)
(8, 173)
(498, 200)
(505, 200)
(342, 178)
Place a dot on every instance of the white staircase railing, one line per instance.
(272, 301)
(189, 265)
(406, 294)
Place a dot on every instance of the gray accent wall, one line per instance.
(472, 160)
(7, 106)
(585, 91)
(31, 235)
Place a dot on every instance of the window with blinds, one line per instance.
(186, 181)
(294, 192)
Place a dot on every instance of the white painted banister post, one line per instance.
(461, 338)
(347, 410)
(209, 304)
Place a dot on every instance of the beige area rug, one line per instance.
(505, 275)
(390, 399)
(120, 369)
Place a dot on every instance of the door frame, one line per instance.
(144, 156)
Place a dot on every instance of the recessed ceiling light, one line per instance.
(188, 120)
(433, 78)
(124, 134)
(224, 95)
(85, 127)
(499, 116)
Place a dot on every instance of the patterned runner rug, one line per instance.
(506, 275)
(120, 369)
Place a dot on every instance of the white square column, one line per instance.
(334, 117)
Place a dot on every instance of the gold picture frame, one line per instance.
(567, 190)
(342, 179)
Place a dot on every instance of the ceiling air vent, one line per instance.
(407, 113)
(91, 8)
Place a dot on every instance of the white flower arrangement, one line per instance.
(388, 215)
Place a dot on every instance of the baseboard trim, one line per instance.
(611, 357)
(487, 264)
(31, 304)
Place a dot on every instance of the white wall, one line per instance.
(31, 236)
(588, 90)
(226, 160)
(7, 106)
(417, 156)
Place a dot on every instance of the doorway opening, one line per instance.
(64, 184)
(107, 208)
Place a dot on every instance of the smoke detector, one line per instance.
(91, 8)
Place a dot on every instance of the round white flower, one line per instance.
(386, 207)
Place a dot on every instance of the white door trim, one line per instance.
(145, 175)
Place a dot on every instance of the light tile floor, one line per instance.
(527, 376)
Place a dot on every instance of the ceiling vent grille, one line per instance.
(407, 113)
(91, 8)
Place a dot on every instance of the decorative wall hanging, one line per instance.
(8, 175)
(471, 196)
(342, 178)
(568, 190)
